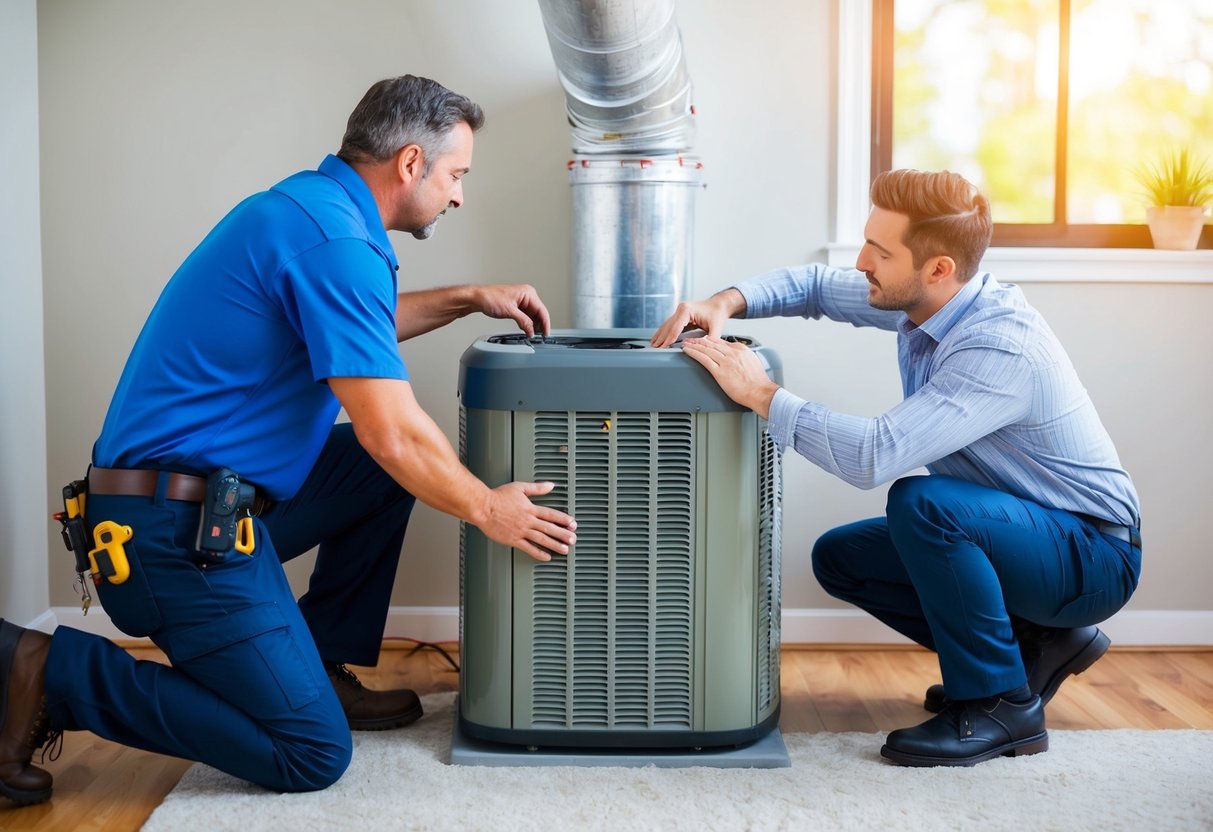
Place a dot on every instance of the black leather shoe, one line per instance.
(969, 732)
(372, 710)
(23, 721)
(1049, 656)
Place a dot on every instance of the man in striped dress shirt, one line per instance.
(1024, 535)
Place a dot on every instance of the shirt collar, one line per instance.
(360, 193)
(939, 324)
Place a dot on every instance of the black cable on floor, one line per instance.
(418, 644)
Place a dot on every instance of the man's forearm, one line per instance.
(409, 446)
(731, 301)
(412, 448)
(424, 311)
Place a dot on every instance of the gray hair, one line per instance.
(396, 112)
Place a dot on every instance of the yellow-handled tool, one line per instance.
(244, 535)
(109, 559)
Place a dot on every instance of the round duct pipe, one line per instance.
(632, 238)
(628, 96)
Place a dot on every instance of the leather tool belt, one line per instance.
(141, 482)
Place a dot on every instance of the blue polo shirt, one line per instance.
(296, 285)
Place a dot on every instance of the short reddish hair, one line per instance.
(948, 215)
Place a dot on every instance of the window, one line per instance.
(1048, 105)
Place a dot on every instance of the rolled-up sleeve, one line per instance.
(814, 291)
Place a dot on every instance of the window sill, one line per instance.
(1077, 265)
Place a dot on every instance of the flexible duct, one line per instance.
(628, 95)
(625, 81)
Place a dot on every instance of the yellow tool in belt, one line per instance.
(71, 520)
(244, 535)
(74, 496)
(109, 560)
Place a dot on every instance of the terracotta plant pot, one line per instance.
(1176, 226)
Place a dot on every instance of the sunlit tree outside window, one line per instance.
(1141, 84)
(976, 86)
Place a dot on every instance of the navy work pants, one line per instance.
(246, 691)
(953, 563)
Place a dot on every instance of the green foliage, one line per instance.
(1177, 179)
(974, 93)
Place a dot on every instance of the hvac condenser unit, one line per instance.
(660, 629)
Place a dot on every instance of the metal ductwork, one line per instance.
(628, 95)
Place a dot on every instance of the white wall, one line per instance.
(23, 514)
(1143, 352)
(158, 117)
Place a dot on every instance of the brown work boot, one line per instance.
(372, 710)
(23, 721)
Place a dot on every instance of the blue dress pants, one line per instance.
(952, 565)
(246, 691)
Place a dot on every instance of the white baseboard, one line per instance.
(45, 622)
(1130, 628)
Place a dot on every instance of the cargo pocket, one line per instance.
(130, 605)
(252, 656)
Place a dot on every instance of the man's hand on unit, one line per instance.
(737, 369)
(510, 518)
(708, 315)
(519, 302)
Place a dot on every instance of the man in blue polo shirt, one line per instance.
(287, 312)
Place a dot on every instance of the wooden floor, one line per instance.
(104, 787)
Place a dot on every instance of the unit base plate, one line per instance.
(766, 752)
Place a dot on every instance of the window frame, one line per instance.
(1024, 264)
(1058, 233)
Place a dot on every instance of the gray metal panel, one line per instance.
(573, 368)
(486, 573)
(522, 627)
(730, 544)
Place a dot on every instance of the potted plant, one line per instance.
(1180, 191)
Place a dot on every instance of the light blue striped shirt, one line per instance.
(990, 397)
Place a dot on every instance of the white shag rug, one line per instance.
(398, 780)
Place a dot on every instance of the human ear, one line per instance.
(941, 269)
(410, 162)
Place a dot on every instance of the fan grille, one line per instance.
(770, 502)
(613, 621)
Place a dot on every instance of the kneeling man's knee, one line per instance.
(312, 765)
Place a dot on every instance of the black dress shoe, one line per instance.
(23, 722)
(372, 710)
(969, 732)
(1050, 655)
